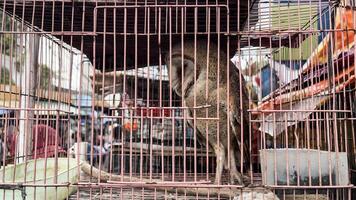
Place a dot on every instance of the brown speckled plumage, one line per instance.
(199, 88)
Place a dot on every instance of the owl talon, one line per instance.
(246, 180)
(236, 179)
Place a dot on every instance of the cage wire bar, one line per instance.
(173, 99)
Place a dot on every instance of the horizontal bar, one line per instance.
(164, 182)
(304, 120)
(37, 184)
(160, 117)
(55, 33)
(161, 185)
(308, 187)
(36, 109)
(165, 6)
(276, 32)
(179, 33)
(35, 118)
(299, 110)
(160, 108)
(265, 33)
(186, 185)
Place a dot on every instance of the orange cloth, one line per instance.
(127, 126)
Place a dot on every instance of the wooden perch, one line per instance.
(257, 193)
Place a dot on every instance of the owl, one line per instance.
(202, 83)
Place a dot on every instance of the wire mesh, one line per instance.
(224, 99)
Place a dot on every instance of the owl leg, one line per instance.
(220, 160)
(234, 173)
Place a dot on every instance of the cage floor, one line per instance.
(136, 193)
(131, 193)
(126, 192)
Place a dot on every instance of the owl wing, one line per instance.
(200, 137)
(234, 113)
(238, 129)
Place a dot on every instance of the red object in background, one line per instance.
(258, 81)
(11, 138)
(155, 112)
(256, 141)
(129, 125)
(39, 151)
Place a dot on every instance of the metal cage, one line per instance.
(224, 99)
